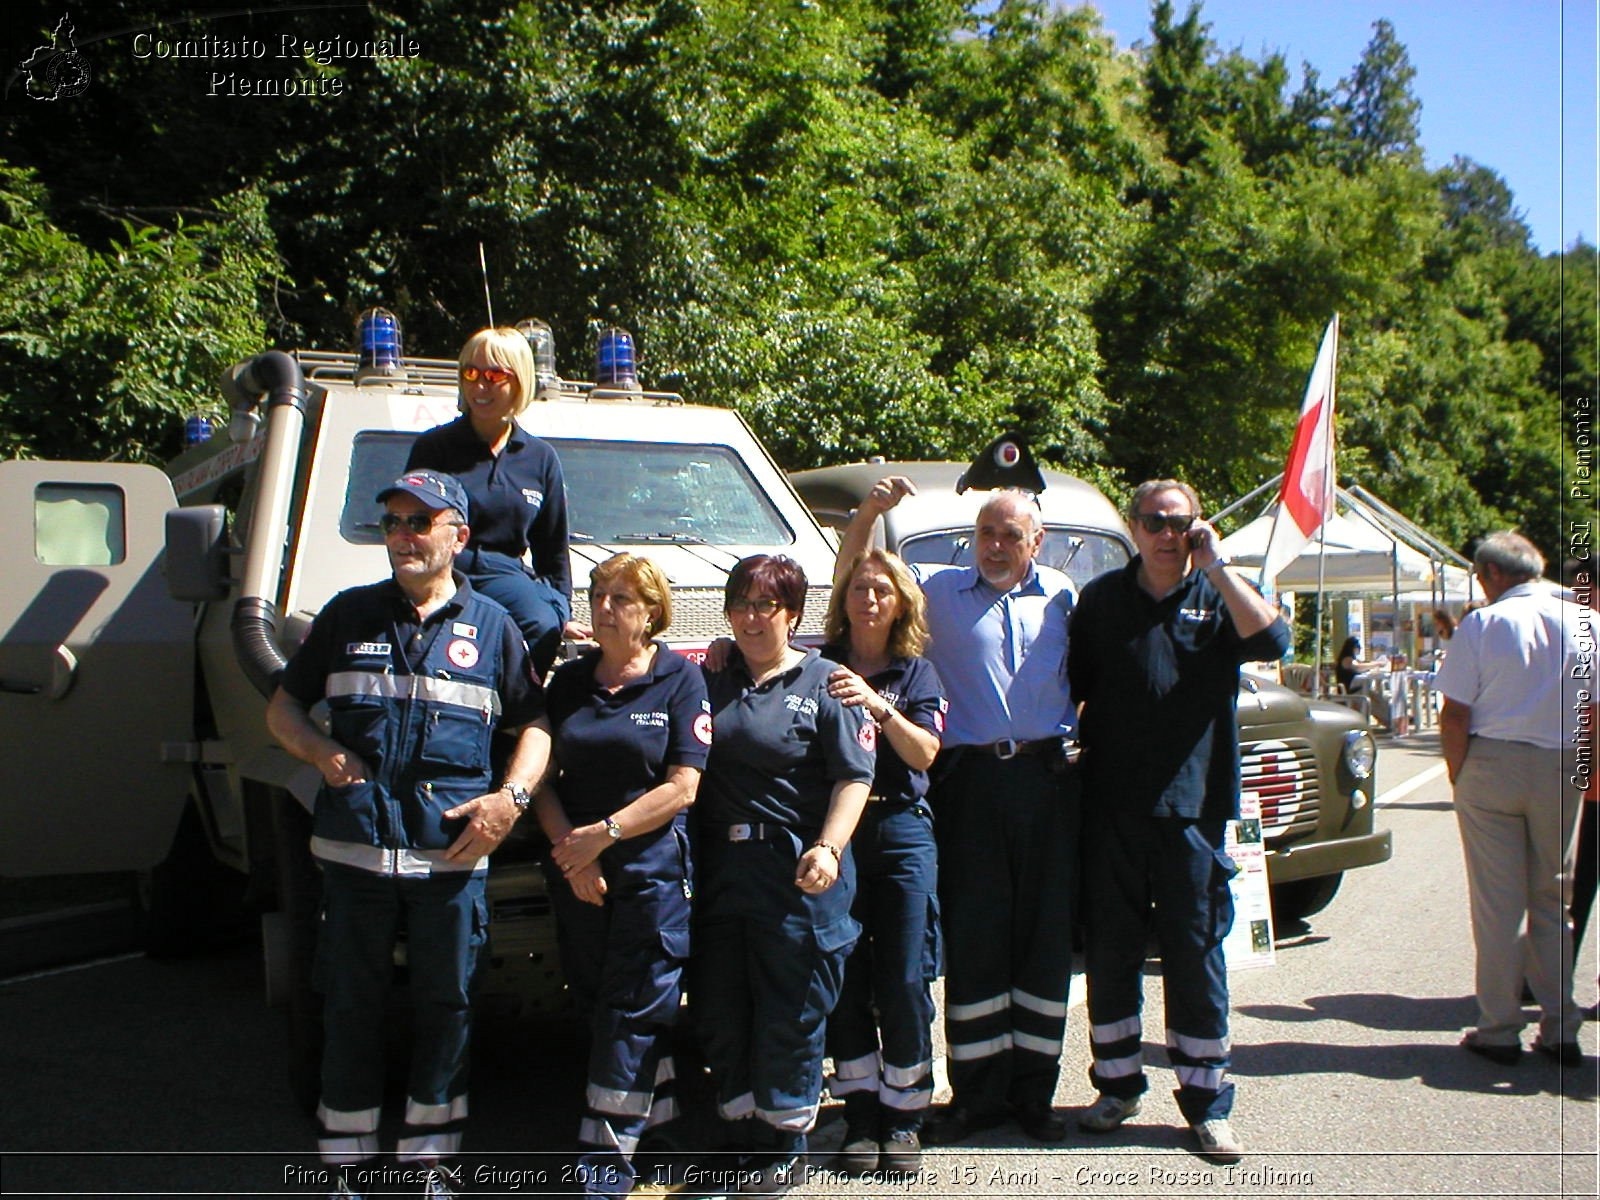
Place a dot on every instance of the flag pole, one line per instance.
(1322, 529)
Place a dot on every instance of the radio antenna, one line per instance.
(488, 302)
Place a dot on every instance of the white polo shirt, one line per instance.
(1523, 665)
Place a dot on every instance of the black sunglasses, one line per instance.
(418, 523)
(1156, 522)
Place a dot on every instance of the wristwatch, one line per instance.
(613, 830)
(520, 796)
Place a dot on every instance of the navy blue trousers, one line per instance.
(767, 969)
(446, 920)
(1008, 855)
(1178, 865)
(624, 963)
(539, 610)
(881, 1032)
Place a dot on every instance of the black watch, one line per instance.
(520, 796)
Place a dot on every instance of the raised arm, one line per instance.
(857, 537)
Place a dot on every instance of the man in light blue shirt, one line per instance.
(1005, 801)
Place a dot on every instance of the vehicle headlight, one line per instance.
(1360, 753)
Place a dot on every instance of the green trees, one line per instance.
(103, 351)
(874, 226)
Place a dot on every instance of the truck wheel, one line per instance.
(293, 946)
(1302, 898)
(189, 902)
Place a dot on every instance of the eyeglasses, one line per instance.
(615, 599)
(763, 607)
(1156, 522)
(418, 523)
(490, 375)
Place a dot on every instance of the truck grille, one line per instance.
(1283, 775)
(697, 616)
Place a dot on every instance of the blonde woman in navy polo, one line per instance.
(631, 728)
(881, 1031)
(517, 496)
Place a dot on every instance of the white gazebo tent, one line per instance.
(1350, 555)
(1367, 547)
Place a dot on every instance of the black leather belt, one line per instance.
(759, 831)
(1010, 748)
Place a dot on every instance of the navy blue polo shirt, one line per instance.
(518, 497)
(912, 686)
(1159, 685)
(781, 746)
(613, 747)
(381, 615)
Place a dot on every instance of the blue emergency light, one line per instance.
(614, 364)
(378, 340)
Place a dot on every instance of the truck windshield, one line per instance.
(618, 493)
(1080, 554)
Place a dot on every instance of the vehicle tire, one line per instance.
(1301, 898)
(189, 902)
(299, 905)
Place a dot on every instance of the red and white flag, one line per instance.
(1306, 499)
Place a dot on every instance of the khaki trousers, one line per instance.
(1518, 815)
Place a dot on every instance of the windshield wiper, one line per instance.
(676, 539)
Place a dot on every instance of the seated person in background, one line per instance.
(1354, 674)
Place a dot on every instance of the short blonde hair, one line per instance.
(643, 577)
(909, 635)
(504, 347)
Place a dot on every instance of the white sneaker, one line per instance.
(1217, 1140)
(440, 1185)
(1106, 1113)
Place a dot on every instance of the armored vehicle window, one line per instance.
(376, 460)
(632, 493)
(79, 525)
(1080, 554)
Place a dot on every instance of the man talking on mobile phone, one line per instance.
(1153, 658)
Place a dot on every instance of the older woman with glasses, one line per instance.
(514, 487)
(881, 1032)
(784, 787)
(631, 732)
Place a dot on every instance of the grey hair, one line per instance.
(1509, 553)
(1022, 499)
(1150, 486)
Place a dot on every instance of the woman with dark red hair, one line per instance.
(784, 787)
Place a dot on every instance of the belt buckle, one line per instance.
(741, 832)
(1005, 748)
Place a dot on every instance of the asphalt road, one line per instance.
(129, 1076)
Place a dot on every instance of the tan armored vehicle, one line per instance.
(1310, 763)
(146, 614)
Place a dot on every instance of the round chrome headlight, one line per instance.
(1360, 753)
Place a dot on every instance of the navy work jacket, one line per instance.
(419, 703)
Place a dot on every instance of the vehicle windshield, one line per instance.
(618, 493)
(1080, 554)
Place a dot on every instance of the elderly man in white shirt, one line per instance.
(1515, 687)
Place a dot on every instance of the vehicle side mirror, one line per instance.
(196, 563)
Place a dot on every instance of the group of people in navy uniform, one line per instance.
(776, 813)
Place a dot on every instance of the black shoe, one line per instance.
(1568, 1054)
(1505, 1056)
(773, 1176)
(859, 1153)
(900, 1152)
(1039, 1121)
(957, 1123)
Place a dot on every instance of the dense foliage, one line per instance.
(873, 226)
